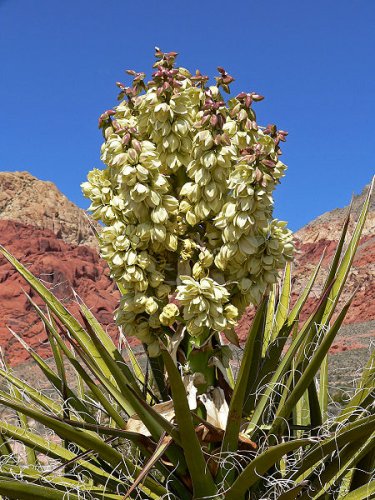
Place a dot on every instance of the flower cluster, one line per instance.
(186, 202)
(204, 305)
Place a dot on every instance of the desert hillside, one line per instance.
(30, 201)
(322, 234)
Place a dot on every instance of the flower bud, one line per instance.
(198, 271)
(151, 306)
(169, 314)
(162, 291)
(231, 312)
(206, 258)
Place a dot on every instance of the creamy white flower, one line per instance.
(187, 189)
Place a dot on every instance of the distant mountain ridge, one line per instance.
(322, 234)
(54, 238)
(328, 225)
(28, 200)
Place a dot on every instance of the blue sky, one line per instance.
(313, 61)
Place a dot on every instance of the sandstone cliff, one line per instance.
(62, 268)
(28, 200)
(324, 233)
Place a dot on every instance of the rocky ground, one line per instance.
(348, 356)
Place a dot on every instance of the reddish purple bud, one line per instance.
(268, 163)
(158, 52)
(126, 139)
(228, 79)
(115, 125)
(205, 119)
(282, 135)
(137, 145)
(213, 120)
(217, 140)
(248, 100)
(258, 175)
(225, 139)
(221, 121)
(270, 129)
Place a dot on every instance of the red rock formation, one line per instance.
(62, 267)
(323, 234)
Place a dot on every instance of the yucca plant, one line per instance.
(186, 205)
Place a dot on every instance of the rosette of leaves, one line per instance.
(107, 431)
(186, 203)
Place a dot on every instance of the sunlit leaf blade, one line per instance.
(81, 371)
(260, 465)
(308, 375)
(23, 422)
(337, 467)
(51, 449)
(301, 301)
(27, 491)
(364, 470)
(55, 380)
(145, 444)
(366, 491)
(351, 433)
(323, 388)
(107, 343)
(73, 326)
(339, 248)
(347, 260)
(293, 493)
(230, 441)
(138, 372)
(268, 364)
(5, 448)
(127, 398)
(281, 368)
(315, 410)
(283, 304)
(202, 481)
(47, 484)
(270, 316)
(40, 398)
(85, 440)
